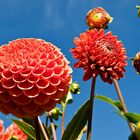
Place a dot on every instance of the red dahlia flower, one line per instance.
(100, 53)
(98, 18)
(3, 135)
(136, 62)
(35, 75)
(16, 132)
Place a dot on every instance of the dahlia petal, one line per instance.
(15, 70)
(5, 97)
(32, 92)
(4, 110)
(18, 78)
(7, 74)
(30, 108)
(55, 80)
(11, 106)
(50, 90)
(8, 83)
(25, 72)
(48, 107)
(38, 71)
(88, 74)
(15, 91)
(20, 114)
(43, 63)
(51, 64)
(2, 89)
(25, 85)
(22, 100)
(58, 71)
(41, 99)
(33, 78)
(59, 62)
(48, 73)
(42, 83)
(57, 96)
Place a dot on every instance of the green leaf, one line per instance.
(132, 117)
(77, 123)
(132, 137)
(26, 128)
(114, 103)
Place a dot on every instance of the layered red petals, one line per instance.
(100, 54)
(31, 75)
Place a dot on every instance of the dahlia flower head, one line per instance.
(34, 76)
(14, 131)
(136, 62)
(100, 54)
(98, 18)
(3, 135)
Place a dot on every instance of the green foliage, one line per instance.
(114, 103)
(26, 128)
(132, 137)
(132, 117)
(77, 123)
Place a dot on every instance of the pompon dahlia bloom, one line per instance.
(100, 54)
(3, 135)
(16, 132)
(98, 18)
(136, 62)
(35, 75)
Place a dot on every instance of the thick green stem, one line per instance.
(122, 103)
(91, 109)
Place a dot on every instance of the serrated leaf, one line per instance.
(77, 123)
(132, 117)
(114, 103)
(26, 128)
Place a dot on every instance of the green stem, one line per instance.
(52, 126)
(37, 130)
(91, 109)
(122, 102)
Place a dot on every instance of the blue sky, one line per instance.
(59, 21)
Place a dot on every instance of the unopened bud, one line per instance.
(98, 18)
(136, 62)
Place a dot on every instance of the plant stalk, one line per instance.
(89, 129)
(37, 130)
(42, 129)
(122, 102)
(63, 119)
(52, 126)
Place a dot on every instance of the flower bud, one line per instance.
(98, 18)
(75, 88)
(136, 62)
(137, 132)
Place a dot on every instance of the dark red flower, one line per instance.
(136, 62)
(100, 53)
(35, 75)
(98, 18)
